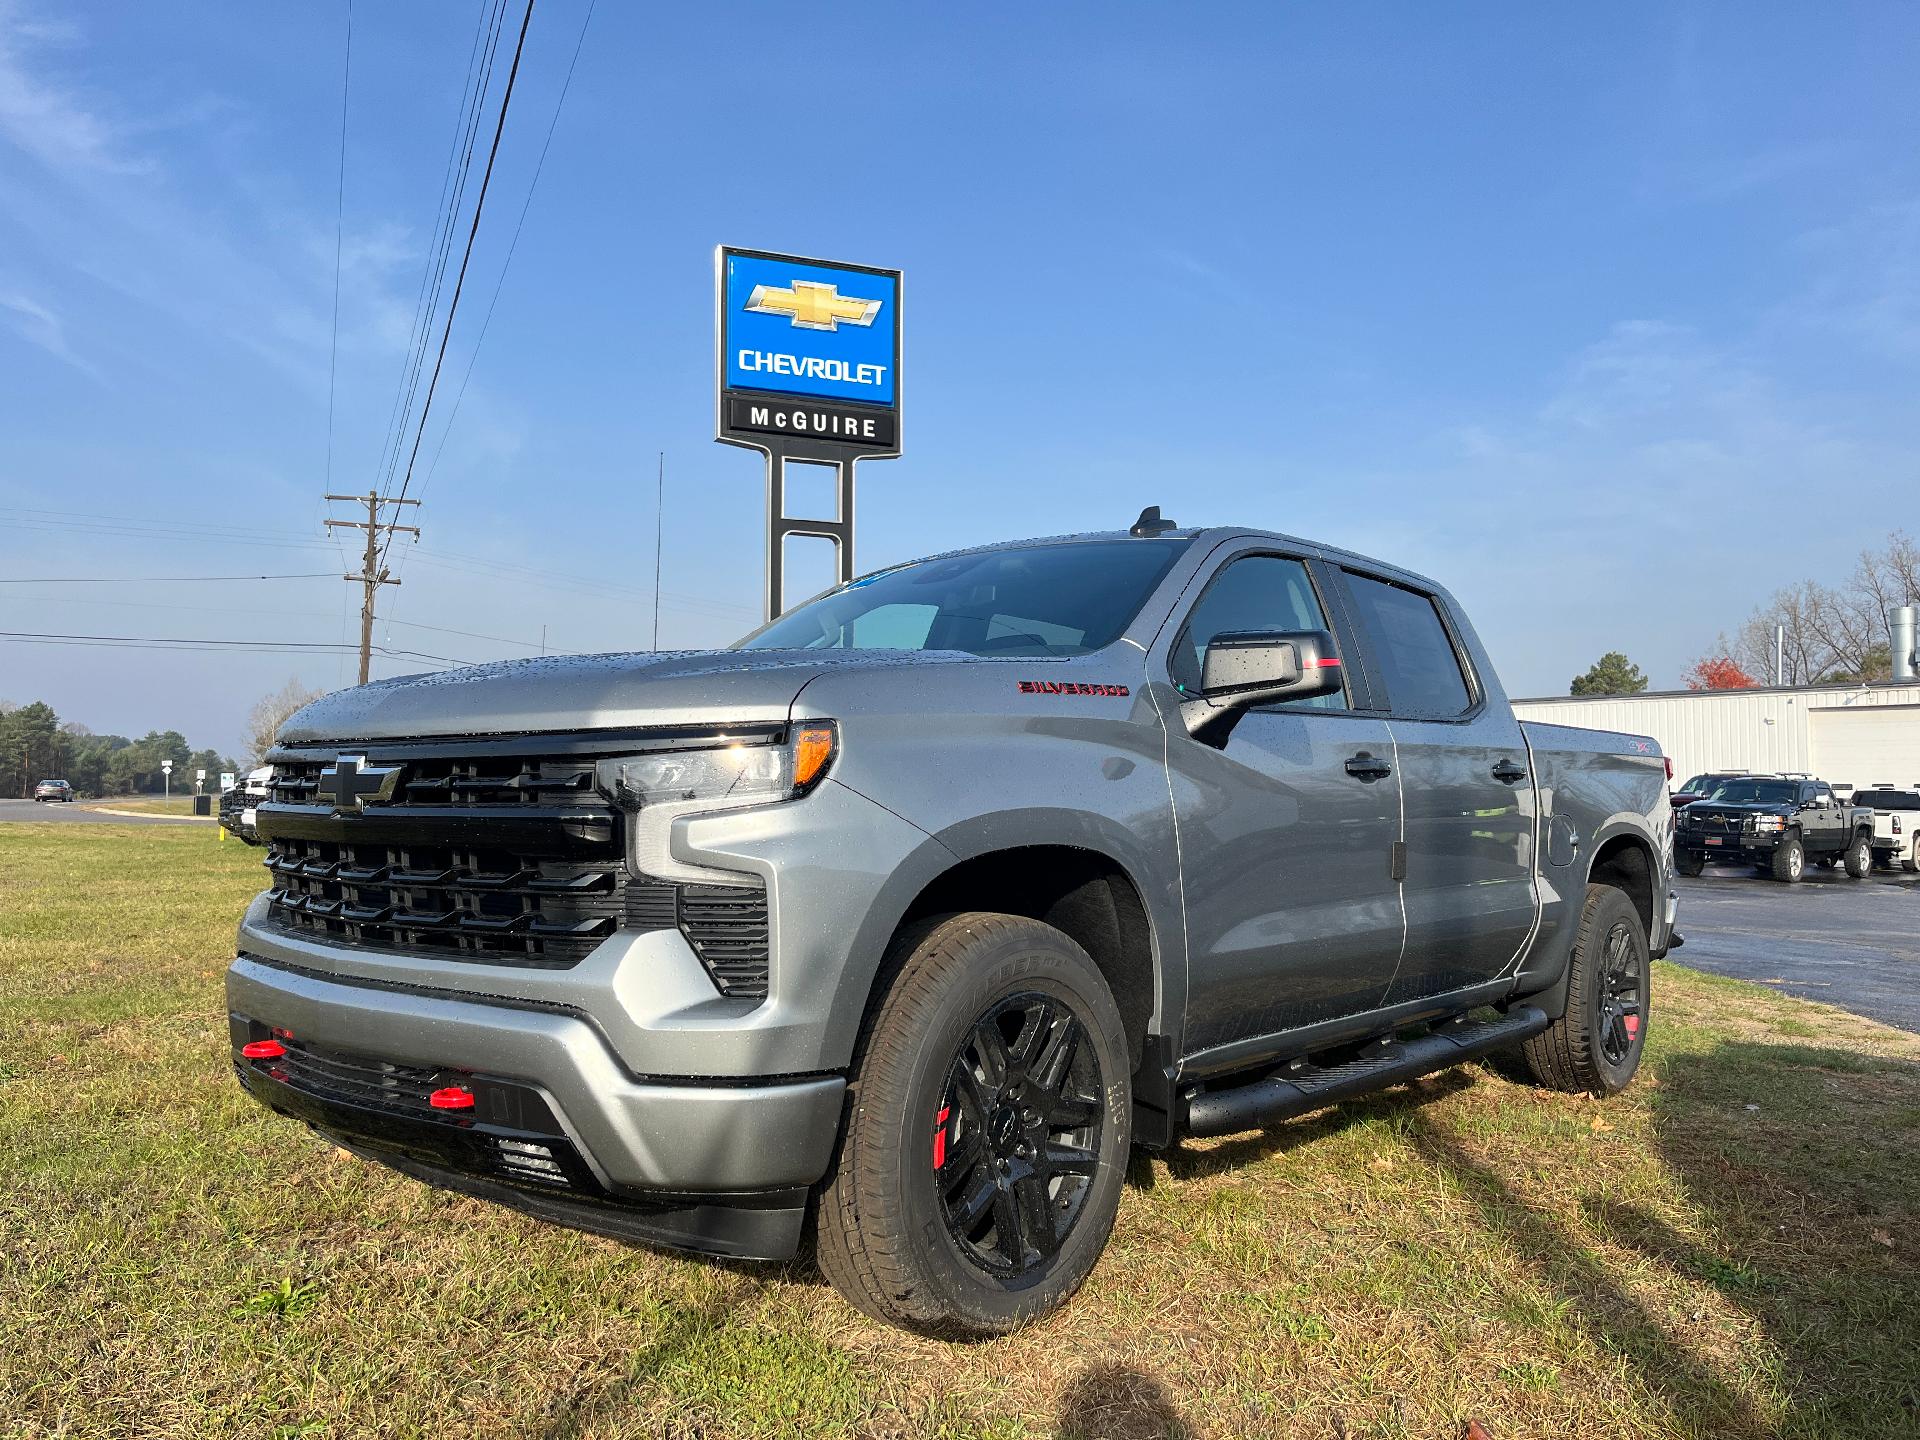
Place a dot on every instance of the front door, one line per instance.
(1464, 774)
(1286, 835)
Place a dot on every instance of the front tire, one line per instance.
(1594, 1047)
(1689, 862)
(1789, 861)
(989, 1118)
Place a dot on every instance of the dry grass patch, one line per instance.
(1727, 1250)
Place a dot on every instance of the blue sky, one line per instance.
(1561, 306)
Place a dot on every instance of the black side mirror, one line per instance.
(1244, 669)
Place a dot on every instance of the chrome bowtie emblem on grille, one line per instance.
(349, 783)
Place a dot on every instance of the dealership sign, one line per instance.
(809, 356)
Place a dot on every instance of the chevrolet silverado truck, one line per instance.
(1780, 825)
(891, 930)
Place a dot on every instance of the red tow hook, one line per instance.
(263, 1050)
(453, 1097)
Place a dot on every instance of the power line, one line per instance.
(452, 186)
(264, 647)
(512, 246)
(473, 230)
(339, 232)
(156, 579)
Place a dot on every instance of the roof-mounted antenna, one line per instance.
(1150, 523)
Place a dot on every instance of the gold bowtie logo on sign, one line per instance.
(812, 305)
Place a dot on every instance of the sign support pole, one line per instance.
(780, 524)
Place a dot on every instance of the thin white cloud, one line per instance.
(45, 120)
(38, 325)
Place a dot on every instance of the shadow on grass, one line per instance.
(1803, 1163)
(1848, 1338)
(1118, 1402)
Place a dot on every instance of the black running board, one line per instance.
(1302, 1086)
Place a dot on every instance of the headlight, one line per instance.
(658, 789)
(1766, 822)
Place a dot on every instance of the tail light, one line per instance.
(1896, 824)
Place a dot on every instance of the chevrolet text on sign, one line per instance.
(809, 351)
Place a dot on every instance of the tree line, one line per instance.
(36, 745)
(1829, 634)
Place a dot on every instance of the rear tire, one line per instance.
(1789, 861)
(989, 1116)
(1689, 863)
(1860, 858)
(1594, 1047)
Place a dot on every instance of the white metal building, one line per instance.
(1848, 735)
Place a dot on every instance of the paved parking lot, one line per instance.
(1852, 943)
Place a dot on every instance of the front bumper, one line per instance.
(1748, 846)
(715, 1165)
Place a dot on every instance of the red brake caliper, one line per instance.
(1633, 1025)
(940, 1137)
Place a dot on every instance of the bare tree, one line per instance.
(270, 712)
(1834, 635)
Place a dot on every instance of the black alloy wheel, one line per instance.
(989, 1116)
(1016, 1140)
(1622, 993)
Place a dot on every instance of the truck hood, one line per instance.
(587, 692)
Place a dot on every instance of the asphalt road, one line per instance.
(78, 814)
(1851, 943)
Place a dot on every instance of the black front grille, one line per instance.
(462, 904)
(487, 852)
(453, 782)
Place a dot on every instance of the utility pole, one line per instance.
(373, 573)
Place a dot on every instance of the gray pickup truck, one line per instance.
(901, 922)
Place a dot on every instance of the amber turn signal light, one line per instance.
(812, 752)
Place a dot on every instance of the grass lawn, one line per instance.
(1731, 1249)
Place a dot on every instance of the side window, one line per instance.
(1257, 593)
(1411, 649)
(1821, 795)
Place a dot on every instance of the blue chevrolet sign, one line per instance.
(809, 350)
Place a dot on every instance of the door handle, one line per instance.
(1508, 773)
(1368, 767)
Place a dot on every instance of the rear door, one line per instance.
(1286, 832)
(1469, 888)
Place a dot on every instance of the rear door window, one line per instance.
(1412, 650)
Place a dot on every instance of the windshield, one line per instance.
(1066, 599)
(1755, 792)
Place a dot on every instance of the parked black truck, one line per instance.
(1781, 825)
